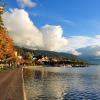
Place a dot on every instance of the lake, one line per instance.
(54, 83)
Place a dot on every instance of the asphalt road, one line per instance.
(11, 87)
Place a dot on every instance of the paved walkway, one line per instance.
(11, 87)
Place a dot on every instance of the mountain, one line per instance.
(91, 59)
(58, 55)
(91, 54)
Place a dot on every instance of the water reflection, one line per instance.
(64, 84)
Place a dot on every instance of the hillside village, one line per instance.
(48, 58)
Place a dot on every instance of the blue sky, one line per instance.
(77, 17)
(56, 25)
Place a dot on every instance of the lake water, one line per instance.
(56, 83)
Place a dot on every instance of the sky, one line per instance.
(56, 25)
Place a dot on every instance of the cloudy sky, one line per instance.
(58, 25)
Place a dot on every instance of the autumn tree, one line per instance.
(7, 51)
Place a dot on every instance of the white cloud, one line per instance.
(28, 3)
(74, 52)
(22, 29)
(69, 22)
(49, 37)
(97, 53)
(78, 42)
(84, 42)
(25, 33)
(53, 37)
(91, 51)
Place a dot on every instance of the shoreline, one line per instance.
(23, 85)
(43, 66)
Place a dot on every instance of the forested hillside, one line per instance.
(58, 55)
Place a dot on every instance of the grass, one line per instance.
(34, 67)
(2, 69)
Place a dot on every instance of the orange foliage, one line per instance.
(7, 50)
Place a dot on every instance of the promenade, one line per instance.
(11, 85)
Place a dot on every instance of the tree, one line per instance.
(28, 56)
(7, 51)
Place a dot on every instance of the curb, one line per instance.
(23, 86)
